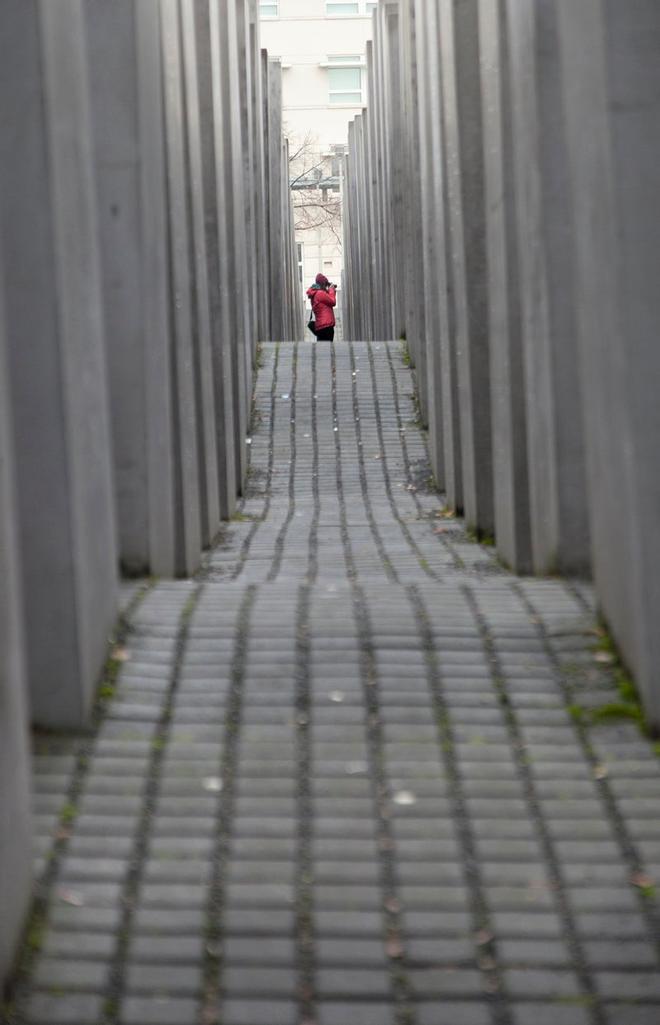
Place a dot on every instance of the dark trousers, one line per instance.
(326, 334)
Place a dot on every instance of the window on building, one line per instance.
(356, 7)
(301, 260)
(345, 79)
(334, 8)
(337, 160)
(268, 8)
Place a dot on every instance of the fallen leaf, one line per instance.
(600, 772)
(69, 897)
(120, 654)
(392, 905)
(642, 880)
(394, 948)
(483, 937)
(604, 657)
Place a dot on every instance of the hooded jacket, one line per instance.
(322, 305)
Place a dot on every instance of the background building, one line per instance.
(322, 46)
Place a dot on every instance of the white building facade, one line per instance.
(322, 46)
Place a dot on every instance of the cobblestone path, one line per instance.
(343, 777)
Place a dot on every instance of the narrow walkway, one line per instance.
(341, 779)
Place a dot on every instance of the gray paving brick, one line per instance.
(63, 1009)
(453, 1013)
(631, 1014)
(445, 982)
(74, 975)
(158, 1010)
(175, 979)
(551, 1014)
(633, 986)
(356, 1012)
(259, 1012)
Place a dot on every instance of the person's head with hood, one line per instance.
(322, 281)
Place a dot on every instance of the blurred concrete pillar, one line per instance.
(245, 77)
(398, 191)
(15, 799)
(508, 407)
(217, 217)
(260, 261)
(274, 158)
(53, 303)
(552, 383)
(229, 163)
(464, 162)
(434, 285)
(200, 285)
(414, 269)
(126, 70)
(610, 57)
(188, 510)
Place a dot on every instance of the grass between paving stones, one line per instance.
(627, 706)
(480, 537)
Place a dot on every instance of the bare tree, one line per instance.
(316, 198)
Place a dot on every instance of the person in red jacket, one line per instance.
(323, 298)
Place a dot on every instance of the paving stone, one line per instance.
(351, 983)
(159, 1010)
(74, 975)
(179, 980)
(446, 982)
(631, 1014)
(452, 1013)
(355, 1012)
(551, 1014)
(535, 982)
(63, 1009)
(637, 986)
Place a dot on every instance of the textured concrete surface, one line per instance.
(341, 778)
(15, 825)
(56, 359)
(617, 214)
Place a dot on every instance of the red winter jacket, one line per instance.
(322, 303)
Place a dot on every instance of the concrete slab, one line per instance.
(553, 387)
(57, 364)
(508, 409)
(614, 90)
(463, 135)
(15, 818)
